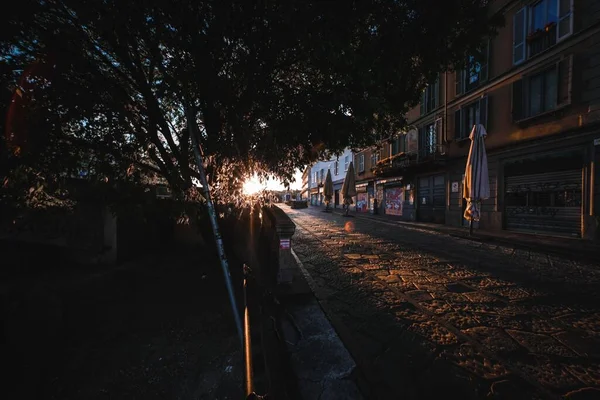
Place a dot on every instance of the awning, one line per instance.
(390, 181)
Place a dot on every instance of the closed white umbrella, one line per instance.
(477, 184)
(328, 190)
(349, 187)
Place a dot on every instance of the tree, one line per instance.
(271, 84)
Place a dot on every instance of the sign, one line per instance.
(394, 199)
(424, 200)
(284, 244)
(597, 142)
(362, 202)
(454, 187)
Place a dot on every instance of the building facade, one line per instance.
(318, 172)
(536, 90)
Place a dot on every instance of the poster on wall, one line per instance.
(394, 198)
(362, 202)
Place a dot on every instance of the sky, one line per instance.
(254, 185)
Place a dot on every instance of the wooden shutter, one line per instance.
(565, 18)
(459, 79)
(517, 100)
(457, 124)
(519, 34)
(423, 101)
(483, 112)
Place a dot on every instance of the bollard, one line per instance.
(282, 231)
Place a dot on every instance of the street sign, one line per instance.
(284, 244)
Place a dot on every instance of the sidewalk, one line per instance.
(561, 246)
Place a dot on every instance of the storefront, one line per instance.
(362, 198)
(545, 195)
(392, 198)
(431, 198)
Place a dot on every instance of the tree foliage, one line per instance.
(105, 85)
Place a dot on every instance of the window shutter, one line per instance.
(457, 124)
(483, 112)
(435, 94)
(517, 100)
(423, 101)
(483, 73)
(519, 29)
(563, 96)
(458, 77)
(565, 18)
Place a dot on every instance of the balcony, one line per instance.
(432, 152)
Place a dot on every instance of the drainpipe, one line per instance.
(445, 108)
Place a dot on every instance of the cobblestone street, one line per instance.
(428, 315)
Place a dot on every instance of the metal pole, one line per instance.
(213, 221)
(249, 381)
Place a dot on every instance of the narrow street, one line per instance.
(428, 315)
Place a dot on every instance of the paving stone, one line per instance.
(481, 297)
(540, 344)
(580, 342)
(392, 279)
(588, 374)
(419, 295)
(461, 320)
(437, 307)
(547, 373)
(458, 287)
(495, 339)
(467, 357)
(509, 292)
(434, 332)
(353, 256)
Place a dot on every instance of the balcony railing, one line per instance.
(402, 161)
(542, 39)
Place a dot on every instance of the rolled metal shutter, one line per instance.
(550, 203)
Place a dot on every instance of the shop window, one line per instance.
(540, 26)
(541, 92)
(469, 115)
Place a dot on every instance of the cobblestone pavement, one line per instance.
(427, 315)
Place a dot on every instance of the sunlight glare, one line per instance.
(252, 186)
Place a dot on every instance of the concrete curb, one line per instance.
(321, 362)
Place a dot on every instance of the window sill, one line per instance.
(555, 112)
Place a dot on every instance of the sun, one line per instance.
(252, 186)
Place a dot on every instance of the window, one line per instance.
(395, 146)
(322, 175)
(361, 163)
(374, 158)
(542, 91)
(336, 167)
(469, 115)
(540, 26)
(346, 163)
(476, 71)
(429, 98)
(428, 140)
